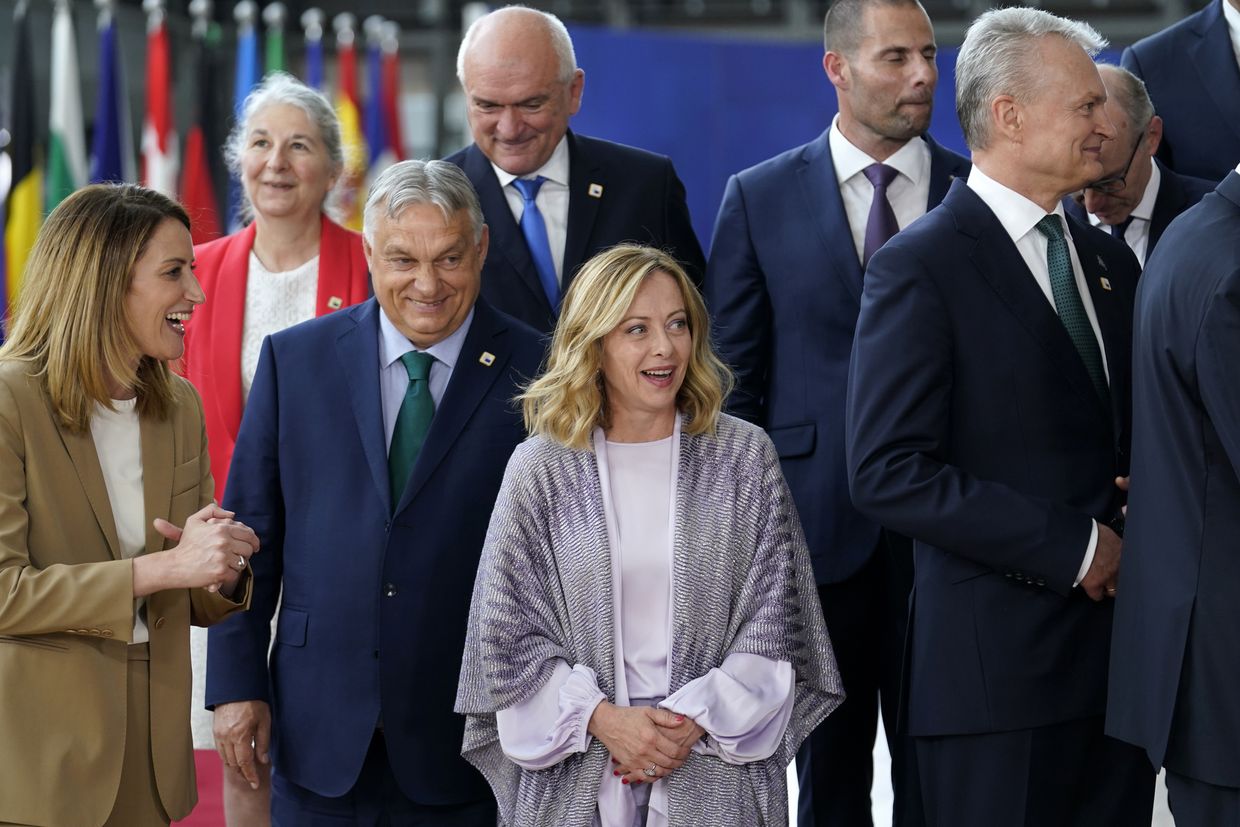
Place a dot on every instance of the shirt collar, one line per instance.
(1015, 212)
(555, 170)
(911, 160)
(1232, 15)
(393, 344)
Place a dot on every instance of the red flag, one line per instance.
(198, 191)
(391, 92)
(159, 144)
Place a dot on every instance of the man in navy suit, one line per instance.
(1192, 70)
(987, 418)
(1175, 649)
(1138, 195)
(553, 198)
(784, 284)
(369, 457)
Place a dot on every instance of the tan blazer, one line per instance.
(67, 611)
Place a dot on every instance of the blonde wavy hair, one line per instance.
(70, 320)
(568, 401)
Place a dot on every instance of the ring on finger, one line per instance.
(240, 562)
(651, 771)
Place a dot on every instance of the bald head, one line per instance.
(521, 85)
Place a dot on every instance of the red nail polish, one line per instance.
(615, 773)
(624, 780)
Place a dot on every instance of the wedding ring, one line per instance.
(240, 562)
(1112, 592)
(650, 771)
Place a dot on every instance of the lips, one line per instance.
(660, 376)
(177, 321)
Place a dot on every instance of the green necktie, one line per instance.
(1068, 303)
(412, 423)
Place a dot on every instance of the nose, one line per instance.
(193, 289)
(926, 71)
(276, 159)
(661, 342)
(425, 280)
(1106, 127)
(509, 123)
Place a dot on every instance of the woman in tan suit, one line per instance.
(110, 542)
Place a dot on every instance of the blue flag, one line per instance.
(111, 149)
(248, 74)
(376, 124)
(314, 63)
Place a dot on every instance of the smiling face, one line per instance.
(285, 168)
(163, 291)
(1063, 123)
(886, 86)
(645, 358)
(427, 270)
(517, 106)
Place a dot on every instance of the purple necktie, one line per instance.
(881, 224)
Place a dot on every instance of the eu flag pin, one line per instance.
(487, 358)
(335, 302)
(595, 191)
(1105, 282)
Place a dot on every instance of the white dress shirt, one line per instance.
(1232, 15)
(908, 192)
(1137, 236)
(552, 200)
(394, 379)
(1019, 217)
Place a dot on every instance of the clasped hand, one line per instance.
(639, 738)
(211, 552)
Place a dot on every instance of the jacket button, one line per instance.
(159, 623)
(389, 590)
(1041, 581)
(106, 633)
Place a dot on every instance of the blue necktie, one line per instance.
(1068, 303)
(535, 231)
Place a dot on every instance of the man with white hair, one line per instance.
(369, 458)
(551, 197)
(988, 418)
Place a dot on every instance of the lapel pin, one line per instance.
(487, 358)
(1105, 282)
(1102, 263)
(595, 191)
(335, 302)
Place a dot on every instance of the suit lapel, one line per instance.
(227, 317)
(583, 173)
(358, 349)
(944, 168)
(506, 237)
(1168, 203)
(825, 205)
(470, 382)
(81, 450)
(157, 462)
(1215, 61)
(999, 262)
(1111, 310)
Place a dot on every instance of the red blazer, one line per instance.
(212, 359)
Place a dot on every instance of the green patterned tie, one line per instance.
(412, 423)
(1068, 303)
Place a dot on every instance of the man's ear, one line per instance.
(1154, 134)
(836, 67)
(1007, 118)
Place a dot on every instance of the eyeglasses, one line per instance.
(1115, 183)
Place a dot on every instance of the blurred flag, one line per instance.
(159, 142)
(198, 192)
(66, 145)
(274, 15)
(247, 77)
(24, 209)
(347, 109)
(378, 143)
(391, 89)
(111, 150)
(312, 23)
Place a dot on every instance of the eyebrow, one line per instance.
(647, 318)
(296, 136)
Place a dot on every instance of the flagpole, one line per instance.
(312, 20)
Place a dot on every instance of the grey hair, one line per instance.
(841, 26)
(998, 57)
(560, 42)
(1130, 94)
(421, 182)
(282, 88)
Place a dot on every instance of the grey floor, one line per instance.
(881, 794)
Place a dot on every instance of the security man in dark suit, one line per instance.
(1138, 195)
(987, 418)
(784, 283)
(553, 198)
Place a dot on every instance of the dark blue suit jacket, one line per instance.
(784, 285)
(641, 199)
(1176, 193)
(973, 428)
(1190, 70)
(1177, 616)
(374, 608)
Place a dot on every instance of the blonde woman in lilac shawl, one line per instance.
(645, 643)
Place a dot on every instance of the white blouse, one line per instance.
(273, 301)
(118, 442)
(744, 704)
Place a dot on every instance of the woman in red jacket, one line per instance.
(290, 264)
